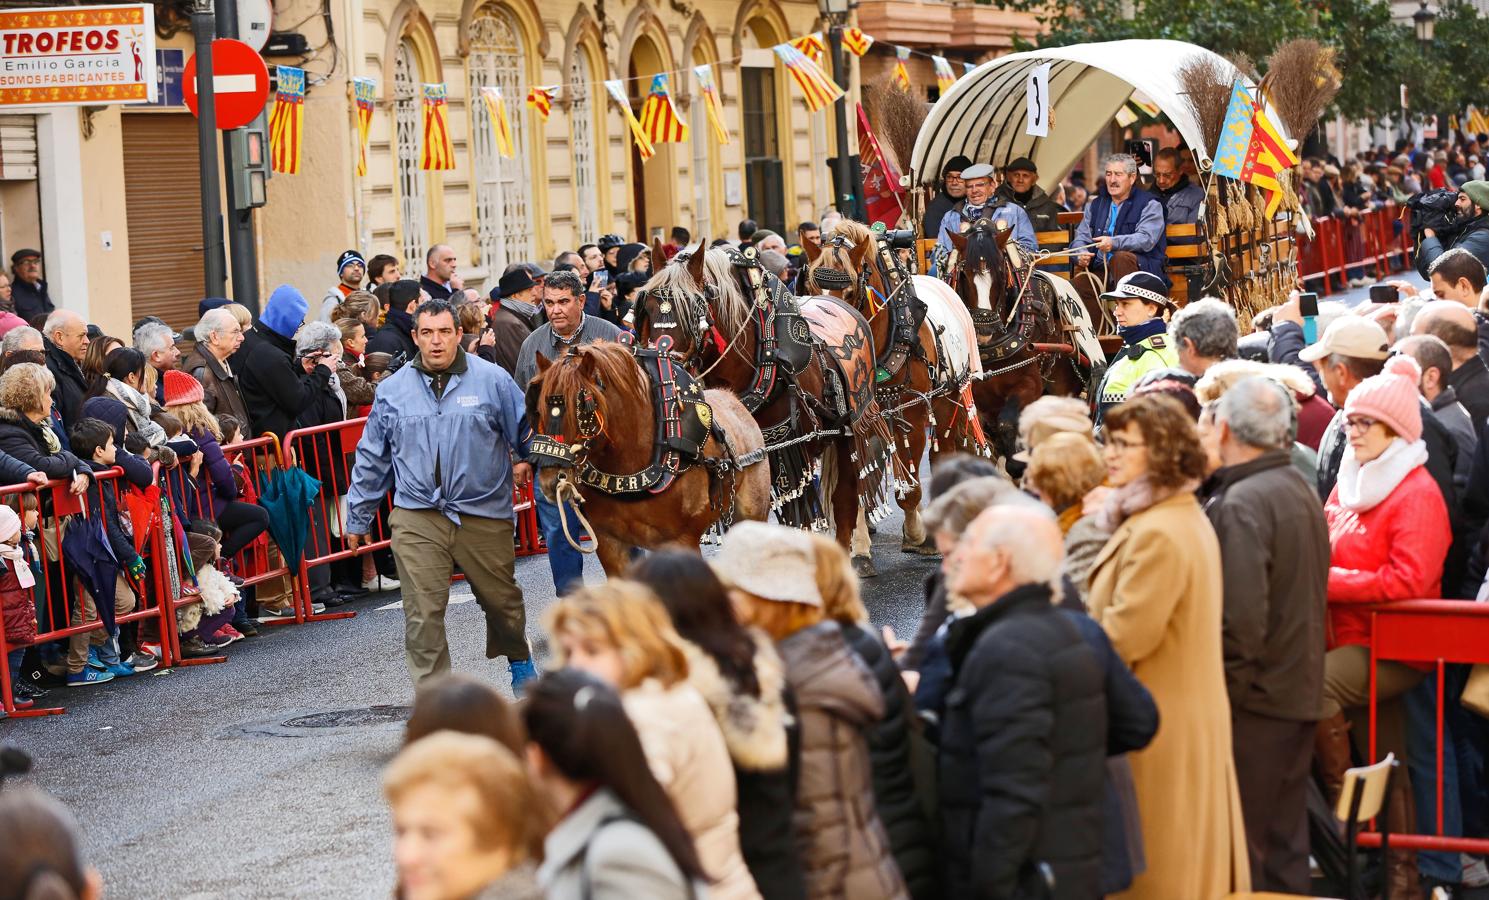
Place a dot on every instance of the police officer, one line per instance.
(1138, 303)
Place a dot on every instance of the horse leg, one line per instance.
(850, 520)
(614, 556)
(913, 537)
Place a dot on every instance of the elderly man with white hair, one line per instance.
(1204, 333)
(218, 337)
(1024, 735)
(66, 340)
(157, 341)
(1274, 556)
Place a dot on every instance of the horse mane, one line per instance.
(676, 283)
(585, 367)
(982, 250)
(837, 258)
(731, 307)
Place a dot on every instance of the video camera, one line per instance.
(899, 239)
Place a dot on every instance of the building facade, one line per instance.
(114, 200)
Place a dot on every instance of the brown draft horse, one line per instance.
(922, 390)
(710, 306)
(605, 406)
(1014, 328)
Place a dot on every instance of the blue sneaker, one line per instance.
(523, 671)
(120, 670)
(94, 661)
(88, 676)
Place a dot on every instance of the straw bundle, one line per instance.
(1301, 82)
(896, 117)
(1205, 83)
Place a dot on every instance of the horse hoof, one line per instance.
(926, 547)
(863, 567)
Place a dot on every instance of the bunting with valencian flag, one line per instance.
(711, 103)
(439, 152)
(856, 42)
(365, 91)
(540, 98)
(815, 85)
(944, 77)
(1251, 148)
(659, 117)
(287, 121)
(901, 74)
(617, 89)
(811, 46)
(501, 126)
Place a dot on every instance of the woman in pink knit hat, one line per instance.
(1389, 533)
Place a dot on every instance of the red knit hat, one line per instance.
(181, 389)
(1391, 397)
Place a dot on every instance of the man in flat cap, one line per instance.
(980, 204)
(1021, 186)
(28, 290)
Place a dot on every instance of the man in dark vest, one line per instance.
(1125, 224)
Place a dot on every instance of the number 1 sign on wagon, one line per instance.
(240, 83)
(66, 56)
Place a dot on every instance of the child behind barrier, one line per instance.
(17, 602)
(207, 626)
(93, 656)
(274, 597)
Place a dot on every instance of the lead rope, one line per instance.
(562, 487)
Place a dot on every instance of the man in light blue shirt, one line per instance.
(980, 204)
(442, 434)
(1126, 226)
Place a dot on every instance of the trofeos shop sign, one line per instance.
(72, 55)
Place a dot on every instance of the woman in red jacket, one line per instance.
(1389, 533)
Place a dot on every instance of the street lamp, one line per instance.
(1425, 21)
(835, 13)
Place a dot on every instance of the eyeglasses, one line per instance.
(1359, 424)
(1122, 445)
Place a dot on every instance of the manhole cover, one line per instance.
(352, 718)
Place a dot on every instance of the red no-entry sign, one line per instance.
(240, 83)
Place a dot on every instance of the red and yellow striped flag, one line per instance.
(540, 98)
(439, 153)
(617, 89)
(901, 74)
(501, 127)
(856, 42)
(365, 91)
(818, 89)
(659, 117)
(287, 121)
(944, 77)
(811, 46)
(711, 103)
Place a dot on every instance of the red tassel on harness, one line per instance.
(718, 339)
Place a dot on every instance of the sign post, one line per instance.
(214, 263)
(240, 239)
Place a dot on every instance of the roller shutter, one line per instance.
(163, 201)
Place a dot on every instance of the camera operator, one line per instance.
(1473, 229)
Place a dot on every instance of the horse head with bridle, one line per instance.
(808, 384)
(652, 458)
(1020, 336)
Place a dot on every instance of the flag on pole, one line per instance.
(540, 98)
(901, 74)
(659, 117)
(439, 153)
(944, 78)
(856, 42)
(1251, 148)
(711, 103)
(365, 91)
(501, 127)
(287, 121)
(881, 183)
(811, 46)
(617, 91)
(1235, 133)
(815, 85)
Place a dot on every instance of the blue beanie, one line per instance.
(285, 311)
(109, 411)
(209, 303)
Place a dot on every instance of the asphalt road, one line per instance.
(231, 780)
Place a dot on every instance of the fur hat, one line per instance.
(285, 311)
(181, 389)
(1391, 397)
(772, 562)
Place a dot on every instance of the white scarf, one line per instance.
(1363, 487)
(10, 527)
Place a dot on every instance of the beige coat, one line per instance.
(688, 756)
(1156, 589)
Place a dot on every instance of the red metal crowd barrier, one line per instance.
(1438, 632)
(60, 595)
(1370, 242)
(327, 452)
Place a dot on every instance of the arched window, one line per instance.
(413, 210)
(584, 148)
(504, 226)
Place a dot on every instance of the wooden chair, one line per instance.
(1367, 790)
(1058, 239)
(923, 250)
(1185, 251)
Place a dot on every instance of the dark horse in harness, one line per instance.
(804, 372)
(1024, 345)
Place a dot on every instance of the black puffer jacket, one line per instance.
(1023, 753)
(24, 439)
(895, 743)
(275, 389)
